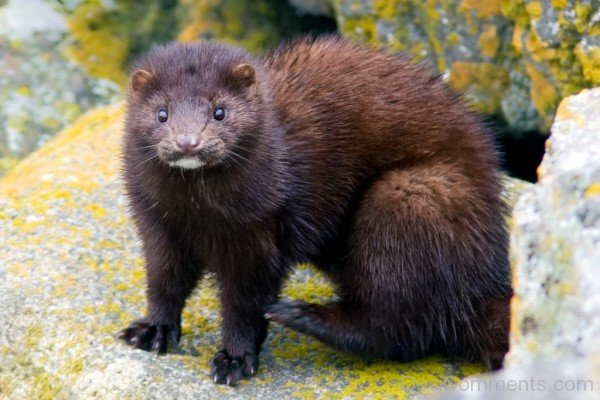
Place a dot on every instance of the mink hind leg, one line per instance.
(422, 274)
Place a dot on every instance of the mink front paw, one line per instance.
(148, 336)
(297, 315)
(229, 370)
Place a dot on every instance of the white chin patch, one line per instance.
(187, 163)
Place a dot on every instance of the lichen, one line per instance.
(590, 63)
(106, 36)
(488, 41)
(97, 44)
(534, 9)
(482, 9)
(482, 79)
(543, 94)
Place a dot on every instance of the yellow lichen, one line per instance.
(590, 63)
(543, 94)
(386, 9)
(488, 41)
(538, 49)
(484, 78)
(593, 190)
(534, 9)
(483, 9)
(583, 12)
(453, 38)
(517, 39)
(559, 4)
(564, 112)
(97, 45)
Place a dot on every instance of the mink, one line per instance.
(326, 151)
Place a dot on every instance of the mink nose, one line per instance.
(187, 144)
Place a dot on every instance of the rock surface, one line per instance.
(516, 58)
(555, 352)
(71, 276)
(556, 242)
(41, 90)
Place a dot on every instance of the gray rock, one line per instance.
(513, 58)
(41, 90)
(556, 242)
(555, 351)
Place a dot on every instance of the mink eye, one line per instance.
(163, 115)
(219, 114)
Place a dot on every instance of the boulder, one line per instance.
(513, 58)
(41, 89)
(555, 246)
(72, 275)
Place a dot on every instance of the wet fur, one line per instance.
(351, 158)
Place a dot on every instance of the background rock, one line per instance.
(515, 58)
(71, 276)
(41, 90)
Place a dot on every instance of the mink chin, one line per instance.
(322, 151)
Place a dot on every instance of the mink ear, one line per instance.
(244, 74)
(140, 79)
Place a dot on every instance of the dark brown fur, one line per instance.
(331, 152)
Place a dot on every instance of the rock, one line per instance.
(72, 276)
(255, 25)
(515, 58)
(555, 352)
(556, 242)
(41, 90)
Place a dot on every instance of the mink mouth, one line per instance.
(187, 162)
(204, 156)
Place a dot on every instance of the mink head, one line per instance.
(195, 106)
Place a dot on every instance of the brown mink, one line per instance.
(322, 151)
